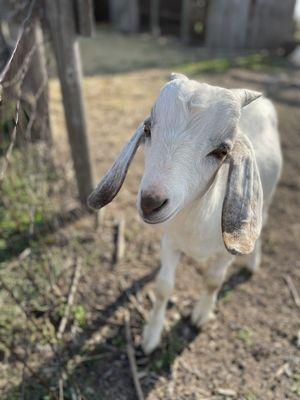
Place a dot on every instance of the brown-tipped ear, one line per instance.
(242, 206)
(111, 183)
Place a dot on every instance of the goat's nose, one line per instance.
(151, 203)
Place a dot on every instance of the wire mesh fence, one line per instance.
(38, 284)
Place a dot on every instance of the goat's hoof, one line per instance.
(200, 317)
(151, 338)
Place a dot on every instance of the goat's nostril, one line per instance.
(152, 203)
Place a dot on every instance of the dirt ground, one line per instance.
(251, 350)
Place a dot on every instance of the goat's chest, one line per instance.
(197, 234)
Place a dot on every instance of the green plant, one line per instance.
(80, 315)
(246, 336)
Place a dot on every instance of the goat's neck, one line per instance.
(196, 229)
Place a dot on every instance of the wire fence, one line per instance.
(38, 287)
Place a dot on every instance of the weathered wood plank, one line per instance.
(185, 21)
(36, 91)
(270, 23)
(61, 19)
(84, 17)
(154, 17)
(226, 25)
(247, 24)
(125, 15)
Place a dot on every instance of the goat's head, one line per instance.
(191, 132)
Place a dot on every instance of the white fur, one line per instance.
(188, 120)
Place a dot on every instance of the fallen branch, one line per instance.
(293, 290)
(131, 358)
(119, 241)
(70, 300)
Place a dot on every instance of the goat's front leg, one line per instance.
(163, 289)
(213, 279)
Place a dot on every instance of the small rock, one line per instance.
(226, 392)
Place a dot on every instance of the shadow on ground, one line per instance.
(112, 351)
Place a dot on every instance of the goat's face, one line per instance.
(191, 128)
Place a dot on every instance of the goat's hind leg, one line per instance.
(213, 279)
(163, 288)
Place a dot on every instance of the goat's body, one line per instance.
(196, 229)
(212, 162)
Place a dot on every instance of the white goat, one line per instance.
(212, 162)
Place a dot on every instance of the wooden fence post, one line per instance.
(185, 21)
(36, 85)
(84, 17)
(154, 17)
(61, 19)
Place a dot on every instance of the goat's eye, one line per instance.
(147, 130)
(220, 153)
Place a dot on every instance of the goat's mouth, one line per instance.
(159, 216)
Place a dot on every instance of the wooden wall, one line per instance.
(226, 24)
(249, 23)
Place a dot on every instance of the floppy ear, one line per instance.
(242, 206)
(111, 183)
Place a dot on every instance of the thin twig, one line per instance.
(61, 388)
(133, 300)
(293, 290)
(131, 358)
(70, 299)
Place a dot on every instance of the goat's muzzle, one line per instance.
(151, 204)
